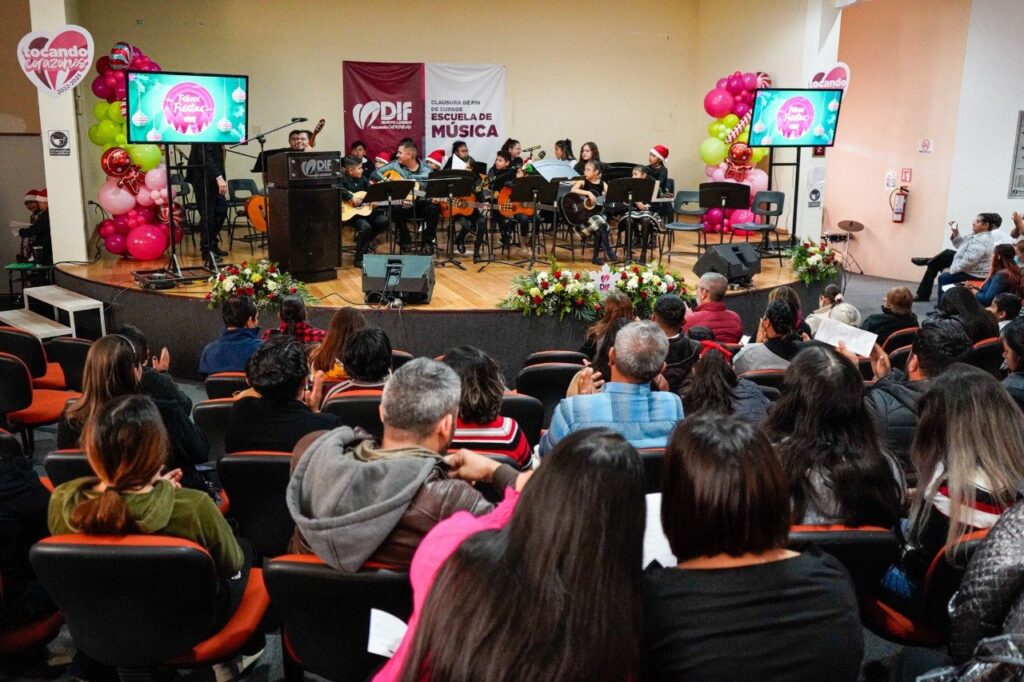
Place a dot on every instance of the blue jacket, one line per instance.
(993, 286)
(230, 352)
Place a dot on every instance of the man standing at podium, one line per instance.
(208, 178)
(298, 140)
(408, 167)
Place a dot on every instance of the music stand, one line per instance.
(535, 191)
(447, 185)
(630, 191)
(389, 193)
(723, 195)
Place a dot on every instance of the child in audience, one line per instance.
(1006, 308)
(713, 387)
(1013, 356)
(366, 356)
(490, 594)
(292, 314)
(326, 356)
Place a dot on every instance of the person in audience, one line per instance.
(366, 357)
(1005, 276)
(156, 380)
(683, 352)
(112, 370)
(617, 304)
(739, 605)
(1006, 307)
(515, 563)
(840, 312)
(972, 257)
(960, 304)
(969, 456)
(1013, 355)
(831, 296)
(828, 446)
(239, 340)
(326, 357)
(896, 314)
(625, 403)
(292, 314)
(792, 299)
(354, 501)
(778, 342)
(480, 426)
(711, 311)
(701, 334)
(714, 388)
(594, 374)
(283, 411)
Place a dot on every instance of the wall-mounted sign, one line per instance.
(56, 62)
(1017, 172)
(836, 77)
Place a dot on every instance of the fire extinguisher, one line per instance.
(898, 203)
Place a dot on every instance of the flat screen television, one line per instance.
(172, 107)
(795, 117)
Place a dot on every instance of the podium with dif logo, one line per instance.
(305, 213)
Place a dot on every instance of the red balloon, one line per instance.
(116, 244)
(146, 242)
(105, 228)
(115, 162)
(100, 88)
(103, 65)
(110, 80)
(121, 225)
(120, 92)
(740, 153)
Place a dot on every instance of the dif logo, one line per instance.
(316, 167)
(367, 114)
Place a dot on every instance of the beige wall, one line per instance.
(19, 112)
(906, 59)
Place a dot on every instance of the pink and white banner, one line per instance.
(465, 102)
(56, 61)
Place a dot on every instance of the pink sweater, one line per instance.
(439, 544)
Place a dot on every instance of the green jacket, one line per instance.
(165, 510)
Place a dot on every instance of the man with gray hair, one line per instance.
(626, 403)
(354, 502)
(711, 311)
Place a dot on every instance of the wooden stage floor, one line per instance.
(454, 289)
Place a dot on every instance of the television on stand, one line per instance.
(795, 117)
(170, 107)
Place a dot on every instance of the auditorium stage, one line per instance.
(463, 309)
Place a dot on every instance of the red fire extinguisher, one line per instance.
(898, 203)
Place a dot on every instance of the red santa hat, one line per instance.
(660, 150)
(31, 195)
(41, 195)
(383, 156)
(436, 157)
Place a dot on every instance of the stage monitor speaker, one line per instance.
(737, 262)
(409, 279)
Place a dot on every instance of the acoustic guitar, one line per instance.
(256, 212)
(577, 208)
(316, 131)
(391, 174)
(350, 210)
(510, 208)
(462, 206)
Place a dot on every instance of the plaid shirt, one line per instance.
(644, 417)
(304, 333)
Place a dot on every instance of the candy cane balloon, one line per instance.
(738, 130)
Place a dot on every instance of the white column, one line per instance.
(63, 173)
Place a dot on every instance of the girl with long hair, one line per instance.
(588, 152)
(778, 341)
(515, 567)
(563, 150)
(616, 305)
(325, 358)
(292, 314)
(714, 388)
(513, 148)
(792, 299)
(960, 303)
(1005, 276)
(835, 465)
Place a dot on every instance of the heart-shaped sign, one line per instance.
(838, 77)
(56, 62)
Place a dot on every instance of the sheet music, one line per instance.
(857, 340)
(386, 633)
(458, 164)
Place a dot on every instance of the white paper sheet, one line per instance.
(947, 287)
(656, 546)
(857, 340)
(386, 633)
(745, 339)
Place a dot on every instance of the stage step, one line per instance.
(68, 301)
(34, 323)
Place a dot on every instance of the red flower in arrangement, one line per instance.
(220, 277)
(544, 284)
(209, 295)
(538, 300)
(625, 275)
(249, 291)
(579, 302)
(576, 276)
(271, 270)
(557, 274)
(521, 292)
(271, 297)
(245, 264)
(636, 269)
(670, 286)
(643, 294)
(292, 290)
(597, 306)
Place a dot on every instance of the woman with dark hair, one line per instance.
(1013, 354)
(616, 305)
(780, 341)
(513, 149)
(588, 152)
(479, 426)
(563, 150)
(1005, 276)
(961, 304)
(792, 299)
(112, 370)
(326, 357)
(545, 587)
(292, 314)
(897, 313)
(829, 449)
(739, 605)
(713, 387)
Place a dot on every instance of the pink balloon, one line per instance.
(722, 82)
(718, 102)
(114, 199)
(758, 180)
(121, 223)
(741, 109)
(144, 197)
(749, 81)
(742, 215)
(157, 178)
(146, 242)
(713, 216)
(728, 212)
(718, 175)
(735, 85)
(100, 88)
(116, 244)
(105, 228)
(120, 92)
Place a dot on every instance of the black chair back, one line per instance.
(945, 574)
(773, 378)
(542, 356)
(358, 408)
(225, 384)
(62, 466)
(211, 416)
(900, 338)
(654, 460)
(70, 354)
(256, 483)
(898, 358)
(26, 348)
(399, 358)
(987, 354)
(546, 382)
(865, 551)
(9, 446)
(15, 384)
(528, 413)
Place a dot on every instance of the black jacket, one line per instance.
(893, 404)
(1014, 385)
(886, 322)
(205, 163)
(23, 504)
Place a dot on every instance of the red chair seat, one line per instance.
(889, 623)
(53, 379)
(238, 630)
(46, 408)
(32, 634)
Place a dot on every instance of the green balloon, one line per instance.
(744, 137)
(114, 112)
(108, 146)
(107, 131)
(94, 135)
(758, 154)
(120, 139)
(713, 128)
(730, 120)
(712, 151)
(147, 156)
(99, 110)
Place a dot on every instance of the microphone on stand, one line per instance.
(299, 119)
(530, 149)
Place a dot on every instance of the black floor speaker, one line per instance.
(737, 262)
(409, 279)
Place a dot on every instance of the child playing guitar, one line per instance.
(353, 189)
(592, 187)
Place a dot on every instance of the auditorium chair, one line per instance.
(358, 408)
(62, 466)
(325, 615)
(26, 407)
(70, 354)
(865, 551)
(144, 602)
(567, 356)
(211, 416)
(773, 378)
(898, 358)
(900, 338)
(36, 633)
(225, 384)
(29, 349)
(256, 482)
(941, 581)
(528, 413)
(686, 203)
(399, 358)
(547, 382)
(653, 460)
(9, 446)
(987, 354)
(768, 205)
